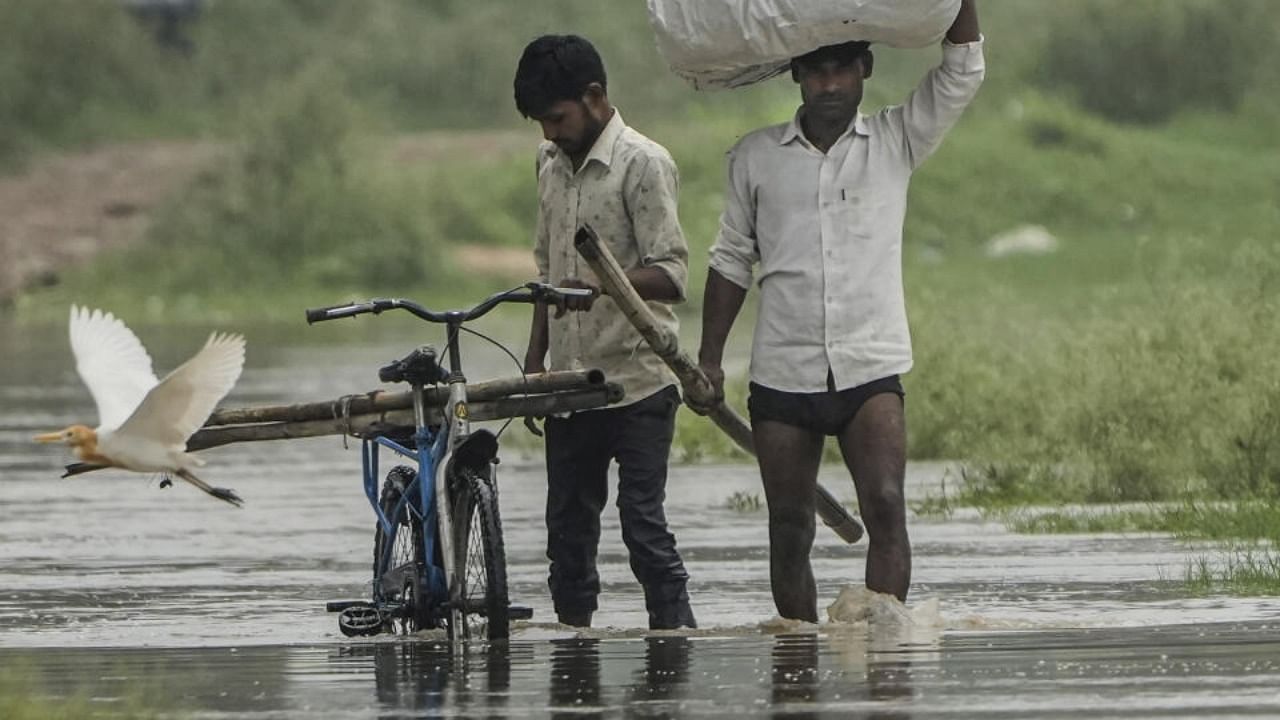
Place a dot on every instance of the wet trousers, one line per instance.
(579, 451)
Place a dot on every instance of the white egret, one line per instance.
(144, 423)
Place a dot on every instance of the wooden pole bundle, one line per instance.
(364, 424)
(616, 285)
(382, 400)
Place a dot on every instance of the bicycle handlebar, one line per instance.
(530, 293)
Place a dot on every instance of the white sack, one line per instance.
(729, 43)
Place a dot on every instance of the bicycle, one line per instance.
(438, 557)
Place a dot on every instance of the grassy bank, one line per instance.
(1246, 535)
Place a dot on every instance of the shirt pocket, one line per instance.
(859, 228)
(859, 210)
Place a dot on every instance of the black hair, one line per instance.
(554, 68)
(844, 54)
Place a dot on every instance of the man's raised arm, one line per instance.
(965, 28)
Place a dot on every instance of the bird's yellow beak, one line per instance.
(52, 437)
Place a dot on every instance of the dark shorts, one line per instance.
(822, 412)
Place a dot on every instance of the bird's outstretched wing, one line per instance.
(183, 400)
(111, 362)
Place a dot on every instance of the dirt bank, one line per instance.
(64, 209)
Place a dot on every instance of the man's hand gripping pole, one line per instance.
(613, 280)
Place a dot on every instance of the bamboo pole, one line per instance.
(382, 400)
(666, 345)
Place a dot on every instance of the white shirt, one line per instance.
(826, 231)
(626, 189)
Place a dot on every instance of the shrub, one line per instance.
(63, 66)
(1167, 395)
(1144, 60)
(301, 202)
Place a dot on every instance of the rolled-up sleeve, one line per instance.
(939, 100)
(652, 191)
(735, 253)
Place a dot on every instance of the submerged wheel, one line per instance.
(398, 575)
(480, 605)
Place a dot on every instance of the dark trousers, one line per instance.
(579, 450)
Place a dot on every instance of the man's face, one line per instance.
(831, 89)
(573, 125)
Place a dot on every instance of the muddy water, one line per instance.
(109, 584)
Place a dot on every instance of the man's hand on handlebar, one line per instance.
(575, 302)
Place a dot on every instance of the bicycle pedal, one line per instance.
(360, 621)
(519, 612)
(340, 605)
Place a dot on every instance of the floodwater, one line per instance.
(111, 587)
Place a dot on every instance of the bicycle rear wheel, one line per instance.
(480, 598)
(398, 576)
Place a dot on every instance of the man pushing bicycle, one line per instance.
(594, 169)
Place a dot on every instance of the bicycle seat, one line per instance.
(418, 368)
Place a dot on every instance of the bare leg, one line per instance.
(789, 457)
(874, 446)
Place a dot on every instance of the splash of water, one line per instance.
(857, 604)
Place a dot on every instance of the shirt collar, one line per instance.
(602, 149)
(793, 131)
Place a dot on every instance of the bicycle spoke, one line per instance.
(398, 573)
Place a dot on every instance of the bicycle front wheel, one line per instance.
(480, 565)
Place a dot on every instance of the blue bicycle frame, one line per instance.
(419, 490)
(425, 496)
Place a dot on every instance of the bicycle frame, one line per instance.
(431, 495)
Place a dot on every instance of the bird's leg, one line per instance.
(165, 481)
(226, 494)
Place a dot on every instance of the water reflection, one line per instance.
(865, 676)
(795, 675)
(485, 684)
(890, 683)
(420, 679)
(408, 677)
(665, 676)
(426, 679)
(1143, 672)
(575, 678)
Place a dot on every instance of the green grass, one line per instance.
(1244, 520)
(26, 696)
(744, 502)
(1247, 533)
(1190, 520)
(1084, 521)
(1247, 570)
